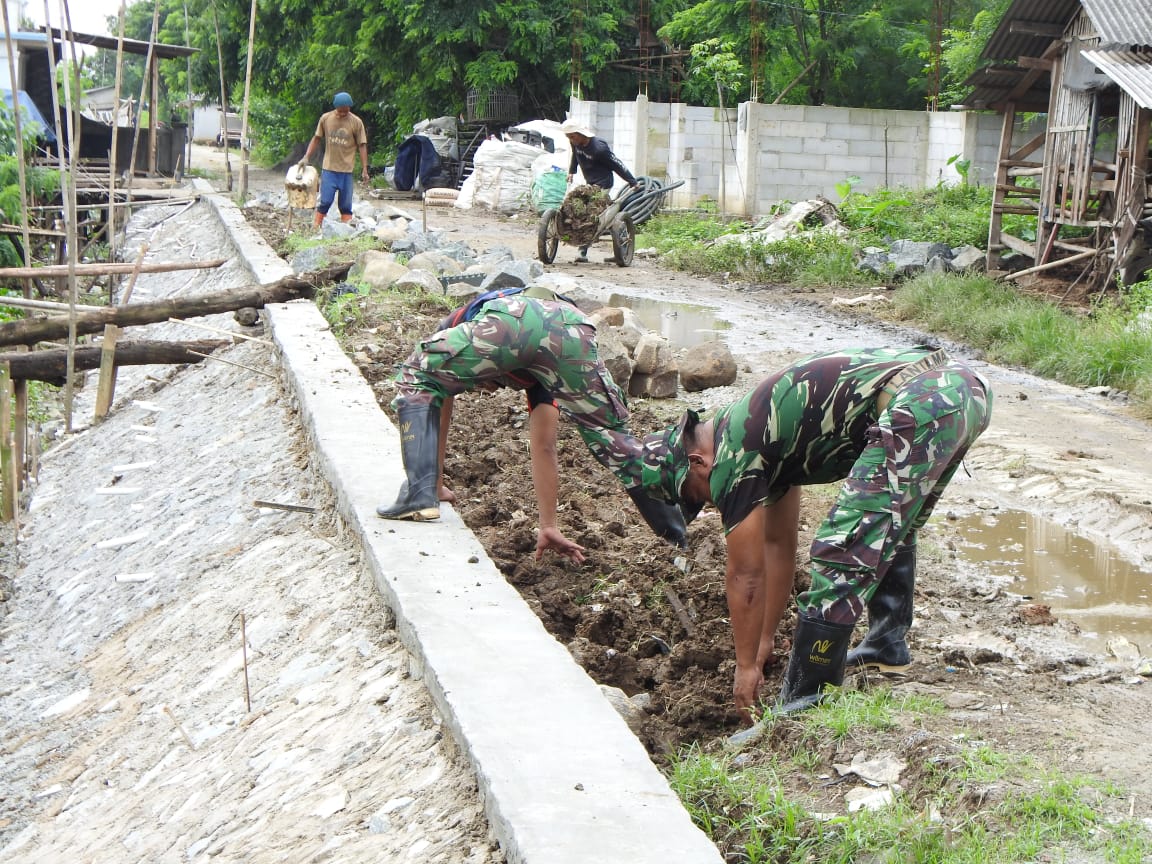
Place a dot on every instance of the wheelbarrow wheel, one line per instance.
(548, 236)
(623, 240)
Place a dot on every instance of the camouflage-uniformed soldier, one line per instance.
(894, 425)
(530, 340)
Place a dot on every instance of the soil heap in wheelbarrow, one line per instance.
(579, 216)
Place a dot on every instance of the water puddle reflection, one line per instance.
(682, 324)
(1083, 582)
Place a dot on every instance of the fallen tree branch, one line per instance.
(29, 331)
(51, 365)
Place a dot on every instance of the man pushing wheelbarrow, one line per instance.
(597, 163)
(589, 211)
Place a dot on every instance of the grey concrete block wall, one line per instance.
(772, 153)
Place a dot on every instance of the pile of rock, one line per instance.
(641, 361)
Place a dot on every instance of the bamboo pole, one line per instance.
(111, 219)
(143, 93)
(67, 187)
(223, 101)
(1051, 264)
(21, 388)
(75, 132)
(108, 268)
(191, 110)
(10, 482)
(244, 152)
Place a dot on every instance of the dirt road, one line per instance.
(1040, 689)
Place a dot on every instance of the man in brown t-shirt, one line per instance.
(343, 135)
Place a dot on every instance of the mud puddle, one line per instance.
(1086, 582)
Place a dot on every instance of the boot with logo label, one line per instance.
(419, 445)
(819, 649)
(885, 648)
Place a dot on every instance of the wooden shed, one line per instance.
(1086, 65)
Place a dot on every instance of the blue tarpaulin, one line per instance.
(31, 116)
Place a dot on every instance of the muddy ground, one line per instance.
(652, 620)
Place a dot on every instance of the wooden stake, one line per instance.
(106, 386)
(244, 655)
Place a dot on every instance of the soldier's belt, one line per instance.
(929, 361)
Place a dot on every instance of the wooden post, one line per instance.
(106, 385)
(153, 108)
(244, 120)
(9, 482)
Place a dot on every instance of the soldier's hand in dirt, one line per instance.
(746, 690)
(550, 539)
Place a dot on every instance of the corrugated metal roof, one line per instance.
(1132, 70)
(992, 84)
(1006, 45)
(1121, 22)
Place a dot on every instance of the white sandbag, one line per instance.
(302, 186)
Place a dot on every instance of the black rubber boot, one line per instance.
(665, 520)
(819, 649)
(419, 444)
(889, 617)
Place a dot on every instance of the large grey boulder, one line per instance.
(709, 364)
(909, 257)
(421, 279)
(307, 260)
(615, 357)
(435, 262)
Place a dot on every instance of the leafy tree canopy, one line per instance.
(406, 60)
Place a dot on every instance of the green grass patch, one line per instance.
(964, 803)
(1106, 347)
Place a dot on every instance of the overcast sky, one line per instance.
(87, 15)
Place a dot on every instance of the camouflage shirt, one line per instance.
(803, 425)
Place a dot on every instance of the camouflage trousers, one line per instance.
(517, 341)
(912, 451)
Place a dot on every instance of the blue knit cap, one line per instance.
(342, 100)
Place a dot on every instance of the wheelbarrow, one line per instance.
(618, 221)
